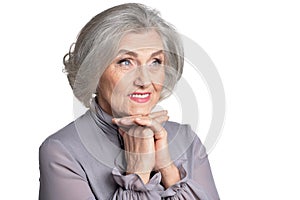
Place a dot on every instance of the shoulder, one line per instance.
(66, 134)
(57, 158)
(66, 139)
(55, 144)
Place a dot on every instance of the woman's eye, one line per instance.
(156, 62)
(124, 62)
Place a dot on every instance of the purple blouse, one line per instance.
(85, 161)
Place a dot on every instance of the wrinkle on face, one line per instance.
(137, 69)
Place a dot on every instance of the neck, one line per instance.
(104, 105)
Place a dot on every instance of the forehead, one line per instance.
(137, 41)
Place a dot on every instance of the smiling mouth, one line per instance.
(140, 97)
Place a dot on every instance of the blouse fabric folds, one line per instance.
(85, 161)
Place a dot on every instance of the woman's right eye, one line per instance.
(124, 62)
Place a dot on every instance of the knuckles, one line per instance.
(141, 132)
(147, 132)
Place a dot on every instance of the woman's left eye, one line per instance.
(156, 62)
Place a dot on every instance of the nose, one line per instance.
(143, 78)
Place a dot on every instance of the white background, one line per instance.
(255, 46)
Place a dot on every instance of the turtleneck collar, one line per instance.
(104, 122)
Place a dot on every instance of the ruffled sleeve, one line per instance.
(196, 177)
(196, 180)
(187, 188)
(132, 187)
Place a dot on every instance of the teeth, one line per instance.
(139, 95)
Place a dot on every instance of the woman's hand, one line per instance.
(160, 136)
(139, 143)
(125, 123)
(151, 122)
(139, 151)
(163, 162)
(146, 146)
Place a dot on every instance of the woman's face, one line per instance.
(133, 82)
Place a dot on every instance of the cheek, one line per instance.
(157, 76)
(160, 80)
(107, 83)
(158, 88)
(119, 85)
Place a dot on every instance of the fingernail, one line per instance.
(115, 120)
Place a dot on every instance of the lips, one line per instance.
(140, 97)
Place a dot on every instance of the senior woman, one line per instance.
(124, 61)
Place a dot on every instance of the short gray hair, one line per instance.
(98, 40)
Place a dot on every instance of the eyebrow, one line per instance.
(134, 54)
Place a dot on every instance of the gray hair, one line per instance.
(97, 44)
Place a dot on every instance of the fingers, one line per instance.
(157, 128)
(161, 119)
(159, 116)
(141, 132)
(122, 132)
(153, 121)
(145, 141)
(137, 132)
(154, 115)
(125, 121)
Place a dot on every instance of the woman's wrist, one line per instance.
(144, 176)
(170, 175)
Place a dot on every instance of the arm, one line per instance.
(191, 179)
(60, 175)
(196, 181)
(196, 176)
(136, 182)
